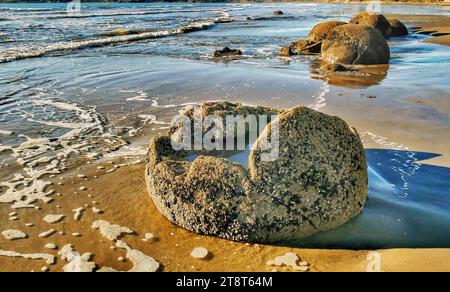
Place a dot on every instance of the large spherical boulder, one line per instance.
(397, 28)
(318, 181)
(322, 30)
(374, 20)
(355, 44)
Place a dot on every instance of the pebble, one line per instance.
(121, 259)
(83, 188)
(199, 253)
(76, 234)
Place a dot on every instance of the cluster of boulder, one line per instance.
(318, 182)
(361, 41)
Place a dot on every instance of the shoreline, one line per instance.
(393, 2)
(437, 27)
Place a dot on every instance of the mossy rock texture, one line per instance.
(318, 182)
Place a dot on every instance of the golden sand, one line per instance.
(123, 199)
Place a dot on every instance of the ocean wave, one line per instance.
(107, 14)
(19, 53)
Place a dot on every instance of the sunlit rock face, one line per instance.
(317, 181)
(355, 44)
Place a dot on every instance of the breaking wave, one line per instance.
(19, 53)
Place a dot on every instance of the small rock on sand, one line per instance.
(199, 253)
(96, 210)
(12, 234)
(53, 218)
(76, 234)
(83, 188)
(149, 236)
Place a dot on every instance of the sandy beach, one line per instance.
(405, 120)
(123, 198)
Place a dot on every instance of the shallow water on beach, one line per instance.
(68, 92)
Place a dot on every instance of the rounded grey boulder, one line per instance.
(318, 181)
(355, 44)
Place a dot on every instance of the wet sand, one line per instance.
(436, 26)
(123, 197)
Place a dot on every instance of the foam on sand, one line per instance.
(289, 259)
(12, 234)
(47, 233)
(76, 262)
(53, 218)
(141, 262)
(42, 157)
(50, 259)
(111, 231)
(78, 213)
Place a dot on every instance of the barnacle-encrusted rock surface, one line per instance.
(374, 20)
(318, 182)
(312, 44)
(355, 44)
(322, 30)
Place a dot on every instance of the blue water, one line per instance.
(47, 55)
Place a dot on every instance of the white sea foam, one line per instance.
(320, 100)
(18, 53)
(41, 157)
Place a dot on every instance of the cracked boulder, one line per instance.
(318, 180)
(322, 30)
(312, 44)
(355, 44)
(373, 20)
